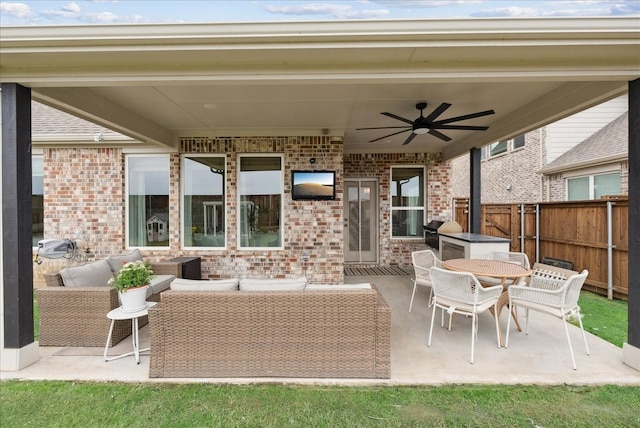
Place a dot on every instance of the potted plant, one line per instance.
(131, 283)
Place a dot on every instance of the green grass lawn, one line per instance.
(73, 404)
(604, 318)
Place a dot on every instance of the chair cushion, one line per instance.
(159, 283)
(281, 284)
(116, 262)
(332, 287)
(182, 284)
(96, 273)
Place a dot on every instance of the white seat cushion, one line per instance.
(182, 284)
(281, 284)
(326, 287)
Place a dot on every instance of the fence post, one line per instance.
(610, 247)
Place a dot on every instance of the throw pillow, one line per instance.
(182, 284)
(283, 284)
(96, 273)
(364, 286)
(116, 262)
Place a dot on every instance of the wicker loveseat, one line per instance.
(326, 332)
(76, 314)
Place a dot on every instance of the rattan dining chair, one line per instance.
(423, 261)
(461, 293)
(553, 296)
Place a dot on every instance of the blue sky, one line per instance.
(45, 12)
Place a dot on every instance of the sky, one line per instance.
(89, 12)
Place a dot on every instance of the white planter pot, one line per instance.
(133, 299)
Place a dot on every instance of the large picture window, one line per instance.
(593, 186)
(203, 181)
(148, 201)
(37, 198)
(407, 206)
(260, 201)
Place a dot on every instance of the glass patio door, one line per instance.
(361, 221)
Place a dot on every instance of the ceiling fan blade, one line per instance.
(437, 112)
(383, 127)
(439, 135)
(390, 135)
(462, 127)
(402, 119)
(465, 117)
(409, 138)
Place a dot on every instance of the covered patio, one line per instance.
(165, 86)
(541, 358)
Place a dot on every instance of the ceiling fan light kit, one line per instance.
(429, 124)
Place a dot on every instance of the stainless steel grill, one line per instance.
(431, 234)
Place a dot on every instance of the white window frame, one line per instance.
(127, 157)
(239, 198)
(182, 193)
(590, 173)
(424, 202)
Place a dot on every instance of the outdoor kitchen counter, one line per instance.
(475, 237)
(470, 245)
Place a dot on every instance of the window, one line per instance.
(500, 147)
(497, 148)
(407, 202)
(37, 198)
(593, 186)
(260, 201)
(148, 201)
(518, 142)
(203, 194)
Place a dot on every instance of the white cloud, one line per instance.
(512, 11)
(71, 7)
(16, 10)
(327, 9)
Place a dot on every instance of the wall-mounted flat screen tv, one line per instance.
(313, 185)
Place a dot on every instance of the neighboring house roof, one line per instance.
(50, 125)
(609, 144)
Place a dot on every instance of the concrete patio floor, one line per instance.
(542, 357)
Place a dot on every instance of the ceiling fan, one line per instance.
(424, 125)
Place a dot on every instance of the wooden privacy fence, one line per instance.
(590, 234)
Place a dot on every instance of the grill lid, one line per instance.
(433, 225)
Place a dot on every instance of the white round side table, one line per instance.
(118, 314)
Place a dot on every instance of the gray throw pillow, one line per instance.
(96, 273)
(116, 262)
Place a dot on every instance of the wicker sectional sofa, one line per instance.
(75, 313)
(317, 332)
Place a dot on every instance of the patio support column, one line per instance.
(475, 191)
(631, 349)
(17, 347)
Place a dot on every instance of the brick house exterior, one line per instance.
(519, 174)
(85, 194)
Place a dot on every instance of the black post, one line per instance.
(634, 214)
(475, 190)
(17, 216)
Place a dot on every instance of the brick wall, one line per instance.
(398, 251)
(85, 201)
(508, 177)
